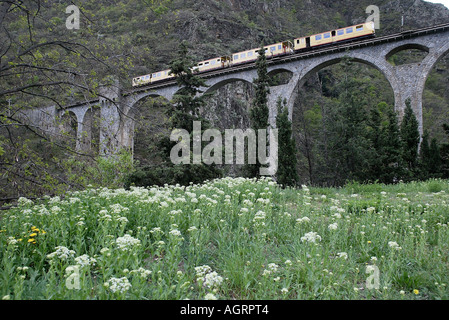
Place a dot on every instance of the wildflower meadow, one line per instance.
(231, 238)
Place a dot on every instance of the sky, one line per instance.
(445, 2)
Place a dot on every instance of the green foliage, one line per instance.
(129, 38)
(184, 110)
(186, 103)
(286, 173)
(386, 162)
(347, 142)
(434, 186)
(259, 111)
(260, 241)
(410, 139)
(102, 171)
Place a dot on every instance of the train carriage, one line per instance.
(212, 64)
(350, 33)
(161, 75)
(338, 35)
(271, 50)
(141, 80)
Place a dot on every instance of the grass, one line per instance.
(230, 239)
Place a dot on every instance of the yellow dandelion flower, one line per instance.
(33, 234)
(43, 232)
(416, 291)
(369, 241)
(32, 240)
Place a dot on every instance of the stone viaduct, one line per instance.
(407, 82)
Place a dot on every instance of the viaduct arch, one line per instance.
(407, 81)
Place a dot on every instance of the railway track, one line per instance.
(295, 56)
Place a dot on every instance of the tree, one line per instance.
(286, 173)
(392, 149)
(410, 140)
(385, 162)
(184, 110)
(186, 102)
(375, 135)
(348, 144)
(259, 110)
(435, 159)
(42, 63)
(444, 152)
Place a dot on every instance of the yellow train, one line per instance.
(351, 33)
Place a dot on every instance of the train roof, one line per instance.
(355, 25)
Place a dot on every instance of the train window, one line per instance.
(272, 49)
(318, 37)
(243, 55)
(359, 28)
(250, 54)
(349, 30)
(340, 32)
(159, 74)
(213, 62)
(327, 35)
(147, 77)
(236, 57)
(279, 46)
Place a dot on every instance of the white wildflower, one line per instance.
(85, 260)
(118, 284)
(311, 237)
(62, 253)
(302, 220)
(212, 280)
(333, 226)
(126, 242)
(273, 267)
(210, 296)
(394, 245)
(343, 255)
(143, 273)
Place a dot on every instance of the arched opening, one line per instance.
(280, 76)
(148, 125)
(409, 53)
(228, 107)
(68, 129)
(228, 103)
(332, 121)
(91, 131)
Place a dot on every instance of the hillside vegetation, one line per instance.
(47, 64)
